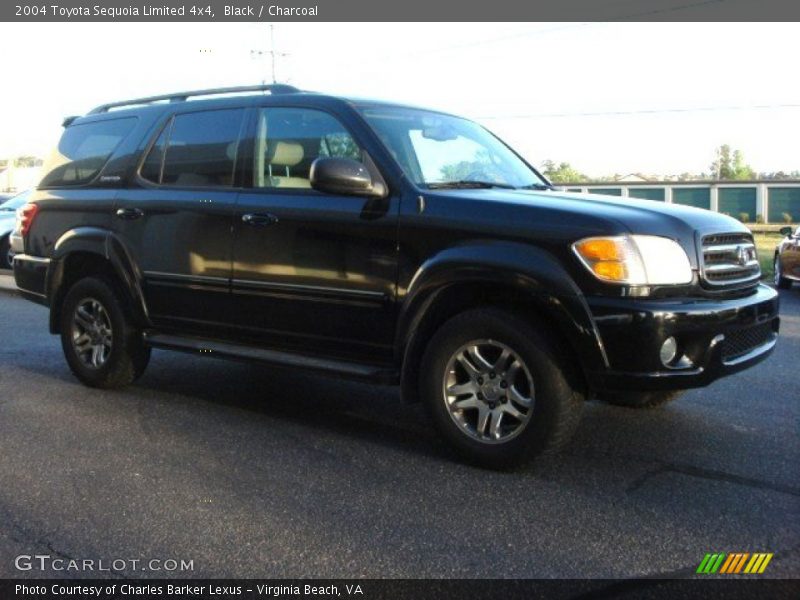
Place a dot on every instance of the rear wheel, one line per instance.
(497, 389)
(780, 280)
(101, 344)
(640, 399)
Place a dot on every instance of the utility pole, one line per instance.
(272, 53)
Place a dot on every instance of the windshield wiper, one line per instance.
(537, 186)
(468, 184)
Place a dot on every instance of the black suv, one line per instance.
(381, 242)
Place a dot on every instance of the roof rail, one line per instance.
(274, 88)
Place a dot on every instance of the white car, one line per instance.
(8, 219)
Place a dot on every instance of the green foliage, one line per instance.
(787, 218)
(729, 165)
(744, 217)
(468, 169)
(759, 218)
(340, 145)
(562, 173)
(778, 175)
(27, 161)
(459, 171)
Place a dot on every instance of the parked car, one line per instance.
(787, 258)
(8, 217)
(382, 242)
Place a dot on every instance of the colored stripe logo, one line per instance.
(735, 563)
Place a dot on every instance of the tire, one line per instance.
(123, 357)
(640, 399)
(542, 377)
(5, 263)
(780, 281)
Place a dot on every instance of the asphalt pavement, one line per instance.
(250, 471)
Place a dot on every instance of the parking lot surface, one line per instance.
(250, 471)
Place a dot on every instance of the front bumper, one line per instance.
(718, 337)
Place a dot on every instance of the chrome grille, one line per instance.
(730, 259)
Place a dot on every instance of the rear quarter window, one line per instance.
(83, 150)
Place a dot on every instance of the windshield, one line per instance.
(438, 151)
(14, 203)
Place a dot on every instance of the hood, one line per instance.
(582, 215)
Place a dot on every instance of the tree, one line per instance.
(340, 145)
(27, 161)
(563, 173)
(729, 165)
(741, 170)
(779, 175)
(481, 167)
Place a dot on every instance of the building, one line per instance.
(767, 201)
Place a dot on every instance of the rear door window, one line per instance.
(196, 150)
(83, 151)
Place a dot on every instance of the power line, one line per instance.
(536, 32)
(648, 111)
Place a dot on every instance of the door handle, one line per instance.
(129, 214)
(259, 220)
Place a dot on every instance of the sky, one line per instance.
(655, 98)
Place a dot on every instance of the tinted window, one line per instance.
(288, 140)
(201, 150)
(83, 151)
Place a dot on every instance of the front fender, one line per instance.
(104, 244)
(532, 271)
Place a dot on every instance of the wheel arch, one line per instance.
(85, 251)
(520, 278)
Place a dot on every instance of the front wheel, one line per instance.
(101, 344)
(498, 389)
(780, 281)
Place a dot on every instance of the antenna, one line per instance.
(272, 53)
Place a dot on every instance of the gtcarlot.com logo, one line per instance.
(735, 563)
(45, 562)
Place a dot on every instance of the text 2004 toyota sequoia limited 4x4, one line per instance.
(386, 243)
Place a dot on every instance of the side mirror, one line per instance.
(785, 231)
(341, 176)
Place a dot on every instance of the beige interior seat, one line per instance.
(284, 156)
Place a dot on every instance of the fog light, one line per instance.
(669, 349)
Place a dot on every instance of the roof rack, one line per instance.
(274, 88)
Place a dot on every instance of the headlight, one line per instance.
(635, 260)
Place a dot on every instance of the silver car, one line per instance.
(8, 219)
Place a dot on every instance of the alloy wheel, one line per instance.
(92, 337)
(488, 391)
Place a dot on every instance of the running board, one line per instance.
(351, 370)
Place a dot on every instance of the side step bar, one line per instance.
(351, 370)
